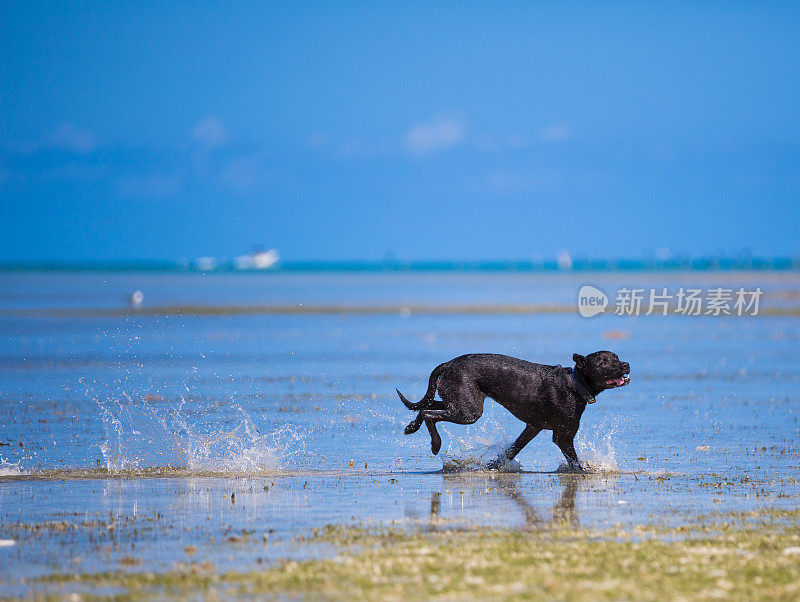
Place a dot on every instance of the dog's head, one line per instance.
(603, 370)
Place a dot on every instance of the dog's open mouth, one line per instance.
(619, 382)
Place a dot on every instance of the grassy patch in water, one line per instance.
(741, 556)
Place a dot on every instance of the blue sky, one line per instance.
(431, 130)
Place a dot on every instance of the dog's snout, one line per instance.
(626, 366)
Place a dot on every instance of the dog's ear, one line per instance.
(578, 359)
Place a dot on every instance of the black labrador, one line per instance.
(543, 397)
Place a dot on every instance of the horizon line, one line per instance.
(687, 263)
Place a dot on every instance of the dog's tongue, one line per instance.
(617, 381)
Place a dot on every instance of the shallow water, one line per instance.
(128, 438)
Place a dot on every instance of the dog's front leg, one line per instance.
(567, 447)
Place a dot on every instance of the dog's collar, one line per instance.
(582, 390)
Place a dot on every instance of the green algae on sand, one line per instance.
(740, 556)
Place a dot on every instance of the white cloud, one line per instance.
(436, 134)
(210, 132)
(71, 138)
(557, 132)
(244, 174)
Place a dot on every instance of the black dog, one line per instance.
(543, 397)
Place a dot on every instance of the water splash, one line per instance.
(140, 436)
(598, 450)
(478, 458)
(480, 448)
(9, 469)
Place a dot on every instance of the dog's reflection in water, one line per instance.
(563, 512)
(436, 504)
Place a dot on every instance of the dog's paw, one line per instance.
(412, 428)
(572, 467)
(436, 445)
(497, 463)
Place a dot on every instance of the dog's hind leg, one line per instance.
(459, 404)
(414, 425)
(527, 435)
(436, 440)
(431, 417)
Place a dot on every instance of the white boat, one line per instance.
(263, 260)
(257, 260)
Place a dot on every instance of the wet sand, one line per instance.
(84, 533)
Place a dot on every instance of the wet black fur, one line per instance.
(542, 396)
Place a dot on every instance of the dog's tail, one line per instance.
(429, 394)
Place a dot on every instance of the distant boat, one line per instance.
(257, 260)
(205, 264)
(564, 260)
(263, 260)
